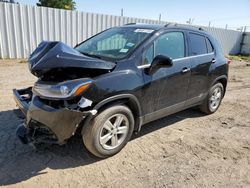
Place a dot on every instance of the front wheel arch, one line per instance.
(128, 100)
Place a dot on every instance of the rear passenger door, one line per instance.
(201, 56)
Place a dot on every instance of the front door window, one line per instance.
(170, 44)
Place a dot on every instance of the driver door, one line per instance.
(165, 91)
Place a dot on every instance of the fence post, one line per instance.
(245, 29)
(122, 12)
(1, 47)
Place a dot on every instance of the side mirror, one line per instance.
(160, 61)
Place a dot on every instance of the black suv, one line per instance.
(108, 86)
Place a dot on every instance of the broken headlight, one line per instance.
(63, 90)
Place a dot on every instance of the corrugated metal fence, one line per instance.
(23, 27)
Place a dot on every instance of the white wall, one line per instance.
(23, 27)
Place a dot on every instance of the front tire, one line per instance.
(109, 131)
(213, 100)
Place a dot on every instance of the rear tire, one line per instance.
(109, 131)
(213, 99)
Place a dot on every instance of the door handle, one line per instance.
(185, 70)
(213, 60)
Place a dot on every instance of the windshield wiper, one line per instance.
(91, 55)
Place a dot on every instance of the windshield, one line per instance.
(114, 43)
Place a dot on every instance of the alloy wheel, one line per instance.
(114, 131)
(214, 100)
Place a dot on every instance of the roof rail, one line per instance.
(130, 24)
(168, 24)
(199, 28)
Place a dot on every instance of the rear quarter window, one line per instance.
(209, 46)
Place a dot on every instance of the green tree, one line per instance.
(61, 4)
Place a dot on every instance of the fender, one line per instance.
(117, 97)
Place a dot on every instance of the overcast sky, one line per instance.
(235, 13)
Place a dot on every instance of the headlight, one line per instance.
(62, 90)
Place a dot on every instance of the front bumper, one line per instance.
(23, 98)
(44, 123)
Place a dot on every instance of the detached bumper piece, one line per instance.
(35, 133)
(22, 134)
(44, 123)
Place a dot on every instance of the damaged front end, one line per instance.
(45, 122)
(55, 106)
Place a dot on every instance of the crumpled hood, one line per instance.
(52, 55)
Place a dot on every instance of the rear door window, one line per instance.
(197, 44)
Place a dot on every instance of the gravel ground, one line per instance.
(187, 149)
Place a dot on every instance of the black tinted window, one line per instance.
(170, 44)
(209, 46)
(197, 44)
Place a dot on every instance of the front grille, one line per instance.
(72, 103)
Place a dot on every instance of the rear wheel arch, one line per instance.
(207, 106)
(221, 79)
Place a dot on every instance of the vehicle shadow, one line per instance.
(21, 162)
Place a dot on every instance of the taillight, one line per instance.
(228, 61)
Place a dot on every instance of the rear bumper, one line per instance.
(44, 123)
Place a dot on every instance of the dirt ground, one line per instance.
(187, 149)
